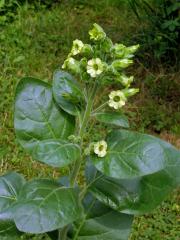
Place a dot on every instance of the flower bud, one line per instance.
(126, 81)
(121, 63)
(74, 139)
(119, 50)
(107, 45)
(71, 64)
(97, 33)
(132, 49)
(130, 92)
(87, 50)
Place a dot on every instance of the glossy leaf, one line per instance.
(67, 92)
(43, 206)
(132, 154)
(114, 118)
(10, 185)
(56, 153)
(102, 223)
(8, 230)
(134, 196)
(38, 119)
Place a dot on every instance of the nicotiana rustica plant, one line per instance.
(126, 173)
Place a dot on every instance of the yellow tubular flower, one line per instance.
(77, 47)
(97, 33)
(100, 148)
(117, 99)
(95, 67)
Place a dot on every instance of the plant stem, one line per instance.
(63, 233)
(82, 129)
(100, 108)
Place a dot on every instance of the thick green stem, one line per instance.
(63, 233)
(82, 129)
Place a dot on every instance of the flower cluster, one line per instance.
(105, 61)
(100, 57)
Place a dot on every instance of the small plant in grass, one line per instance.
(127, 173)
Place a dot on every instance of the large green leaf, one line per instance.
(134, 196)
(56, 153)
(43, 206)
(67, 92)
(10, 185)
(38, 120)
(132, 154)
(102, 223)
(8, 230)
(114, 118)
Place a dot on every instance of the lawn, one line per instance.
(36, 43)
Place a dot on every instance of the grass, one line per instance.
(37, 42)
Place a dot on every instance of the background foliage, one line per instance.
(35, 38)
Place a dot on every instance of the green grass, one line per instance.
(35, 44)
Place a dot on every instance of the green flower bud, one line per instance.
(132, 49)
(87, 50)
(74, 139)
(107, 45)
(121, 63)
(125, 81)
(89, 149)
(83, 62)
(130, 92)
(97, 33)
(71, 64)
(119, 50)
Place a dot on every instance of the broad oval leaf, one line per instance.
(8, 230)
(37, 118)
(134, 196)
(56, 153)
(102, 223)
(67, 92)
(132, 154)
(114, 118)
(43, 206)
(10, 186)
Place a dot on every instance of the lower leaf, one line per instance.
(43, 206)
(8, 230)
(133, 196)
(102, 223)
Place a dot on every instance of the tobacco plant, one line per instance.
(113, 175)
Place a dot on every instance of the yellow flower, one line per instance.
(95, 67)
(117, 99)
(77, 47)
(97, 33)
(100, 148)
